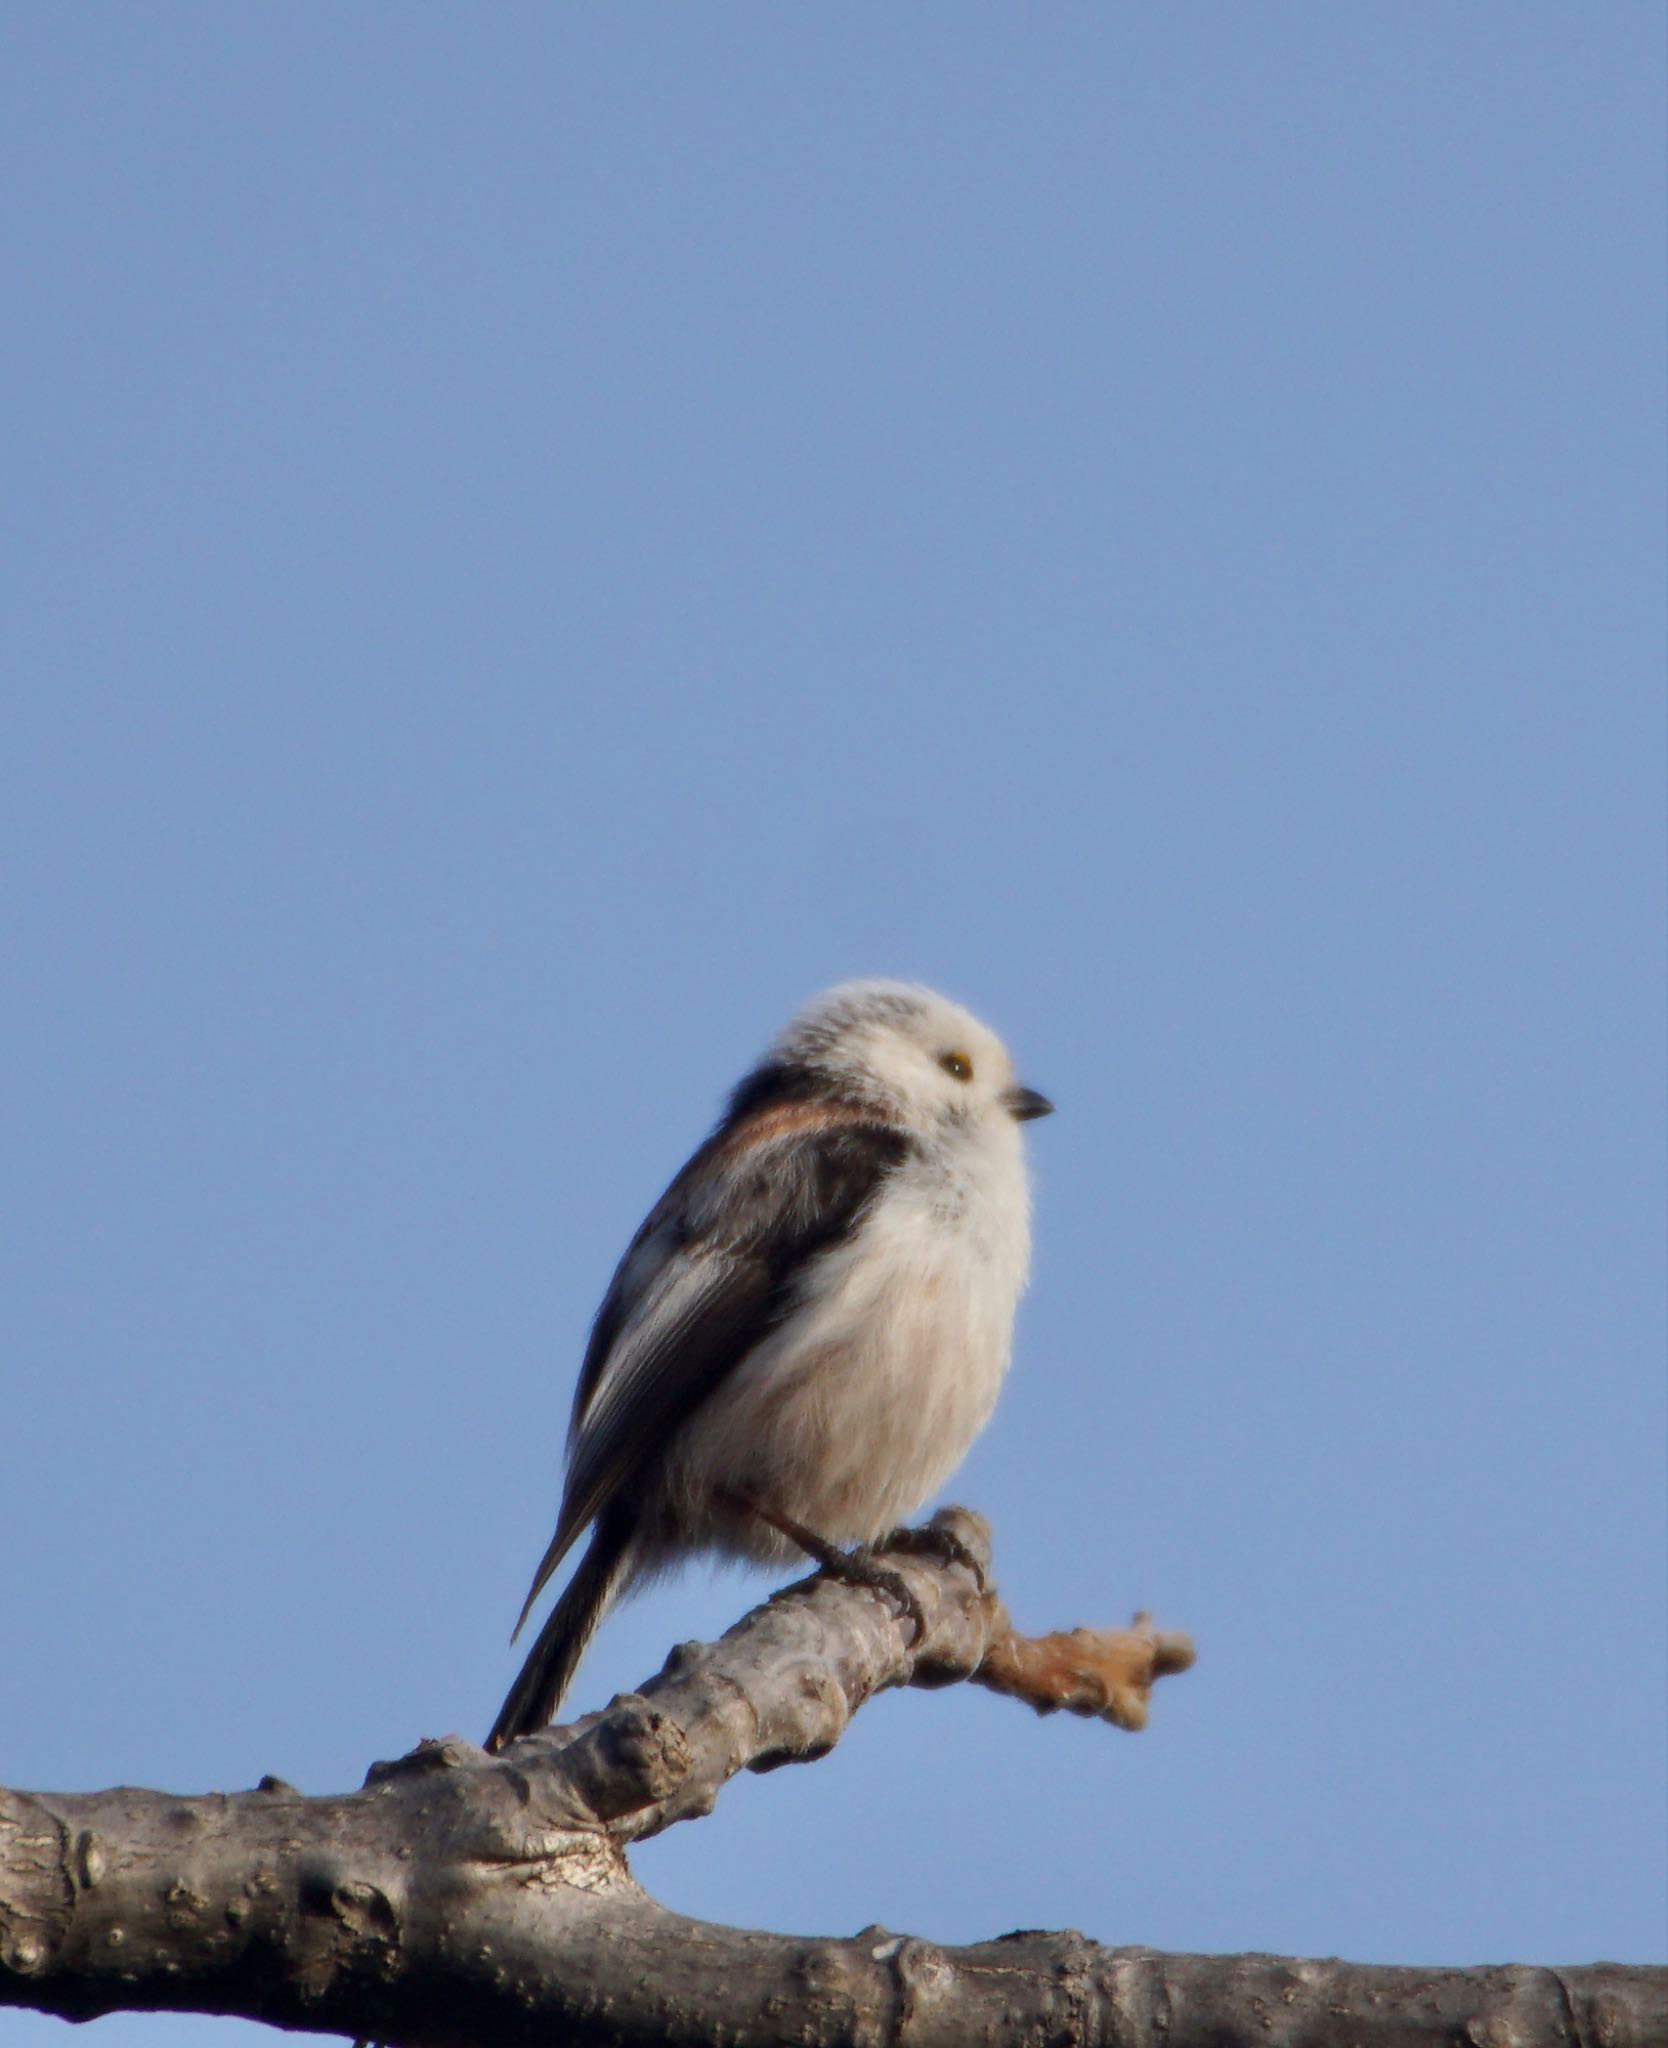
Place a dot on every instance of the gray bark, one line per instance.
(461, 1897)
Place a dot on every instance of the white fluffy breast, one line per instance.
(866, 1399)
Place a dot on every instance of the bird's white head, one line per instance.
(912, 1054)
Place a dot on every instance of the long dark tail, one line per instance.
(554, 1657)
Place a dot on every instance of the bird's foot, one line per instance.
(855, 1567)
(935, 1540)
(861, 1568)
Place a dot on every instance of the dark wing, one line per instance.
(773, 1087)
(710, 1273)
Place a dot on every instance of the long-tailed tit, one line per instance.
(813, 1322)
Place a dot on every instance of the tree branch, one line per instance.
(461, 1897)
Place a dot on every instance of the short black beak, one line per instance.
(1023, 1104)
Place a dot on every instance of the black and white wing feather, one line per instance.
(712, 1271)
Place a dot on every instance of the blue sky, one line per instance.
(536, 540)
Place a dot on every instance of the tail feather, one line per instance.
(567, 1632)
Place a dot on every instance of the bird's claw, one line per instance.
(859, 1568)
(936, 1541)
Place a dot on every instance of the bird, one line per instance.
(812, 1324)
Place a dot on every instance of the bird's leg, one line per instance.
(856, 1567)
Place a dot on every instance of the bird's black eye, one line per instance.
(956, 1064)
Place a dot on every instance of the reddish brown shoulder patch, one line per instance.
(788, 1119)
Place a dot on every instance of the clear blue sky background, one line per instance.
(537, 538)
